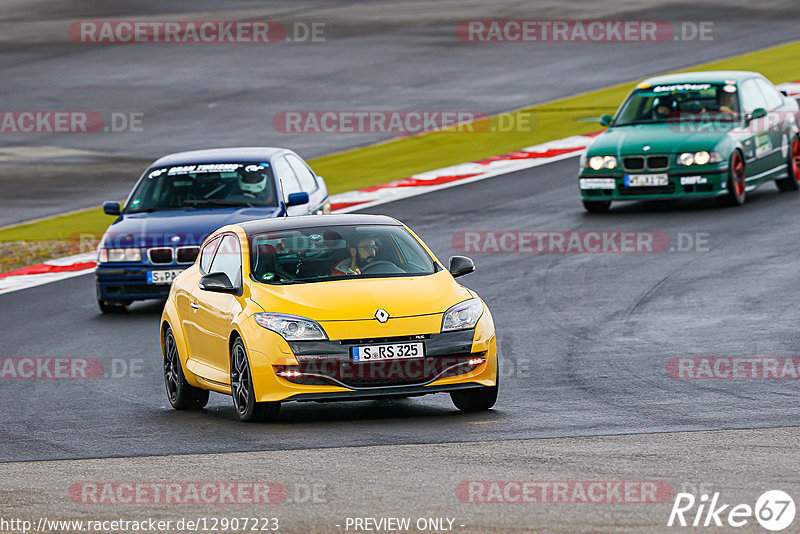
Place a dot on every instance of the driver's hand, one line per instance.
(353, 263)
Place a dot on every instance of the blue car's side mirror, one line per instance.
(111, 208)
(606, 120)
(297, 199)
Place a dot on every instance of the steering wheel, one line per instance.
(381, 263)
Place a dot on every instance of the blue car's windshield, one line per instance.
(680, 102)
(325, 253)
(204, 185)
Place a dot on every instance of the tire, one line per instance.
(247, 409)
(597, 206)
(476, 399)
(181, 395)
(792, 181)
(113, 306)
(736, 180)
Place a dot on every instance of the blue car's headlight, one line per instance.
(463, 315)
(108, 255)
(291, 327)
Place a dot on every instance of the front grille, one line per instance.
(187, 254)
(160, 256)
(633, 163)
(656, 162)
(137, 289)
(648, 190)
(418, 371)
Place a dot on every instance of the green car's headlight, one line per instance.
(463, 315)
(699, 158)
(291, 327)
(108, 255)
(602, 162)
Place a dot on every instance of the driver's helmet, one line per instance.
(253, 179)
(664, 101)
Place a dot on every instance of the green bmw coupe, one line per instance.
(694, 134)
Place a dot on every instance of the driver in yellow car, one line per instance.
(361, 254)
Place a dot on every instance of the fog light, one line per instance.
(290, 374)
(476, 361)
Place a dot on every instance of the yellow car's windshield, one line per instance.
(324, 253)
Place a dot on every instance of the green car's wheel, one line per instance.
(792, 181)
(244, 397)
(181, 395)
(736, 180)
(597, 206)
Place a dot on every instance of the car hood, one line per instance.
(661, 138)
(176, 227)
(359, 299)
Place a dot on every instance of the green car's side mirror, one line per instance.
(756, 114)
(606, 120)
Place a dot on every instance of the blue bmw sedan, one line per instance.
(180, 199)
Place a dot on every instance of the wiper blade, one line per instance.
(214, 202)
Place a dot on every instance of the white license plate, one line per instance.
(162, 277)
(393, 351)
(646, 180)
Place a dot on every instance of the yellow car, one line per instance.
(320, 308)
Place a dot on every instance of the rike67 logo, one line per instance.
(774, 510)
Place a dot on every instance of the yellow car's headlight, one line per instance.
(463, 315)
(291, 327)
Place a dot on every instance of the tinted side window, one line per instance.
(751, 97)
(228, 259)
(772, 96)
(287, 178)
(303, 173)
(207, 255)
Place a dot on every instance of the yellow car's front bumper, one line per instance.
(453, 361)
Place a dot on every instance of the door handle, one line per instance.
(194, 305)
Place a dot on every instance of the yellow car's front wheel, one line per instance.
(244, 397)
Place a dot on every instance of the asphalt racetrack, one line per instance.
(585, 337)
(590, 343)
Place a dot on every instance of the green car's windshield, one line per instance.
(324, 253)
(204, 185)
(679, 102)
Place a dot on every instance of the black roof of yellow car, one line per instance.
(308, 221)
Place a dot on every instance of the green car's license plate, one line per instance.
(646, 180)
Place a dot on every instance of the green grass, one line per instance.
(399, 158)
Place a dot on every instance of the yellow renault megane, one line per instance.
(324, 308)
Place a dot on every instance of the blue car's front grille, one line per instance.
(160, 256)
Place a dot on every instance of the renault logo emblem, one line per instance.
(382, 315)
